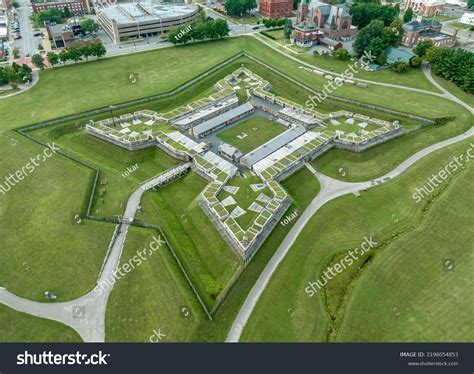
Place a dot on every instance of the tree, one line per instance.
(15, 4)
(63, 56)
(400, 66)
(238, 8)
(222, 28)
(342, 54)
(86, 50)
(98, 49)
(51, 15)
(74, 53)
(88, 25)
(16, 53)
(53, 58)
(40, 47)
(66, 12)
(37, 60)
(415, 61)
(422, 47)
(365, 37)
(408, 16)
(365, 13)
(288, 28)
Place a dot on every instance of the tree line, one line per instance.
(15, 74)
(200, 30)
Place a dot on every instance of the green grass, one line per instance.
(265, 130)
(378, 160)
(113, 161)
(205, 255)
(303, 187)
(458, 25)
(277, 34)
(404, 271)
(17, 327)
(151, 297)
(244, 197)
(42, 249)
(455, 90)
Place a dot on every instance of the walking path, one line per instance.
(427, 72)
(447, 96)
(86, 314)
(24, 87)
(330, 189)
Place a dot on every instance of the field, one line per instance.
(259, 130)
(43, 249)
(205, 255)
(20, 327)
(165, 301)
(393, 293)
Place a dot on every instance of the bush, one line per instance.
(399, 67)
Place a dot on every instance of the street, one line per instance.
(28, 44)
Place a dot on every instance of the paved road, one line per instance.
(330, 189)
(427, 72)
(28, 44)
(86, 315)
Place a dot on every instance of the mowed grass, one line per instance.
(258, 129)
(303, 187)
(41, 246)
(115, 183)
(152, 297)
(17, 327)
(455, 90)
(204, 254)
(426, 312)
(285, 312)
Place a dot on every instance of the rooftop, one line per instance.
(125, 13)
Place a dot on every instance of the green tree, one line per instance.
(400, 67)
(365, 13)
(415, 61)
(74, 53)
(64, 56)
(16, 53)
(15, 4)
(342, 54)
(89, 25)
(288, 28)
(37, 60)
(222, 28)
(53, 58)
(364, 38)
(51, 15)
(66, 12)
(422, 47)
(408, 16)
(98, 49)
(86, 50)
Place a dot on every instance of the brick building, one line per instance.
(76, 7)
(426, 7)
(276, 8)
(426, 29)
(334, 21)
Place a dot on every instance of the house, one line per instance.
(306, 34)
(330, 44)
(334, 21)
(426, 29)
(398, 54)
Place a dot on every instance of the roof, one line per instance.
(272, 145)
(331, 11)
(419, 25)
(330, 42)
(221, 118)
(398, 54)
(229, 149)
(127, 13)
(306, 26)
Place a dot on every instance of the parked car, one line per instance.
(16, 37)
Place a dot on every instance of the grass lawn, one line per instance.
(244, 197)
(455, 90)
(259, 130)
(113, 161)
(458, 25)
(41, 248)
(303, 187)
(205, 255)
(405, 271)
(277, 34)
(17, 327)
(153, 296)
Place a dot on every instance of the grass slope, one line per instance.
(285, 312)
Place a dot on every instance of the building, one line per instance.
(467, 18)
(4, 7)
(461, 3)
(276, 8)
(426, 7)
(426, 29)
(126, 21)
(334, 21)
(63, 35)
(76, 7)
(306, 34)
(230, 152)
(398, 54)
